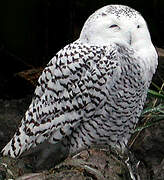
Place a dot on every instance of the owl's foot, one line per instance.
(46, 155)
(132, 164)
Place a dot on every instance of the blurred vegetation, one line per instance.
(153, 113)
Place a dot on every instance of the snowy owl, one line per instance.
(93, 91)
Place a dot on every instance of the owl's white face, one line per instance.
(119, 24)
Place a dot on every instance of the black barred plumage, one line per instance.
(94, 89)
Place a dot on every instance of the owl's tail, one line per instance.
(17, 145)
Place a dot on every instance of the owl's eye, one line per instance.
(113, 26)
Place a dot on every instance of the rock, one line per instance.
(149, 149)
(99, 164)
(159, 76)
(160, 53)
(33, 176)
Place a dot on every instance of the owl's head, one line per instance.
(116, 23)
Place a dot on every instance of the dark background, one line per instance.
(32, 31)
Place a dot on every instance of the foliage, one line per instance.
(153, 112)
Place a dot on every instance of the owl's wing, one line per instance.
(69, 91)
